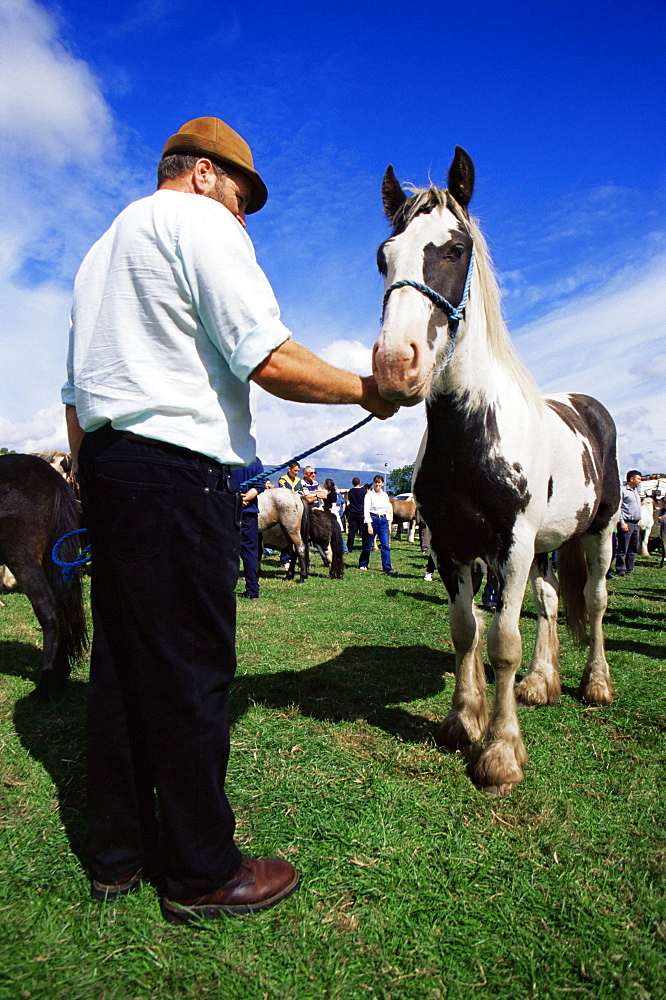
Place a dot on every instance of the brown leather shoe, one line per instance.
(111, 890)
(258, 884)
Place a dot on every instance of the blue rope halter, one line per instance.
(454, 313)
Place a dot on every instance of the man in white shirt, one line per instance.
(377, 518)
(171, 318)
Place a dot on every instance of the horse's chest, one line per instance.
(470, 494)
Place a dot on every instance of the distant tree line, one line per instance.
(400, 480)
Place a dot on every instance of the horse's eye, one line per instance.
(458, 250)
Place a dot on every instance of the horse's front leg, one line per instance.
(467, 721)
(541, 684)
(500, 766)
(596, 686)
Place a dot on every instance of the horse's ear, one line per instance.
(461, 177)
(392, 194)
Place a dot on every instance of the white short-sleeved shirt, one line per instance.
(376, 503)
(171, 315)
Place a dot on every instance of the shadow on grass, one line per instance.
(417, 595)
(652, 650)
(362, 682)
(650, 594)
(20, 659)
(53, 733)
(627, 618)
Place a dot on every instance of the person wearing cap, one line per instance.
(171, 319)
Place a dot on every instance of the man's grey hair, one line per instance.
(171, 167)
(308, 468)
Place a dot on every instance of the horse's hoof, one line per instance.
(600, 695)
(498, 790)
(534, 691)
(458, 731)
(500, 767)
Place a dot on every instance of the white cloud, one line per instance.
(350, 354)
(45, 431)
(50, 102)
(287, 429)
(610, 345)
(61, 183)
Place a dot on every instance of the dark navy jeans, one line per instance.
(380, 527)
(627, 549)
(165, 536)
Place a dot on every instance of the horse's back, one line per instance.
(32, 496)
(279, 506)
(583, 490)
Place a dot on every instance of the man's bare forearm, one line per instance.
(75, 433)
(293, 372)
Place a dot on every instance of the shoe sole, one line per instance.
(176, 913)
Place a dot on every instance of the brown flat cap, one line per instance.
(213, 137)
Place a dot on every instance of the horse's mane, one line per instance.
(424, 200)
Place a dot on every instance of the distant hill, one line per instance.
(341, 477)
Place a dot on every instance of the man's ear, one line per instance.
(203, 176)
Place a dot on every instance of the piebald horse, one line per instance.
(504, 474)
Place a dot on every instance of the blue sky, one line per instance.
(561, 106)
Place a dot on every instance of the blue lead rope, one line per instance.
(69, 568)
(297, 458)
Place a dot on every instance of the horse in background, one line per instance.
(503, 474)
(37, 508)
(404, 513)
(326, 535)
(286, 518)
(61, 461)
(646, 524)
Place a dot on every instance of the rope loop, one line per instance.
(69, 569)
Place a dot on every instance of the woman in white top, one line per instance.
(377, 517)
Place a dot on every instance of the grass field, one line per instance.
(415, 885)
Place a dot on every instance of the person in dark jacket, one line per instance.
(354, 513)
(249, 549)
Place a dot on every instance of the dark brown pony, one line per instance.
(37, 508)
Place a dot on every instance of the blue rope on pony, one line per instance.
(69, 569)
(311, 451)
(454, 313)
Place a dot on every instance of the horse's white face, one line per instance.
(433, 250)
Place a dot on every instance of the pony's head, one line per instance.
(430, 247)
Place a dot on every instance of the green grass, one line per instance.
(415, 885)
